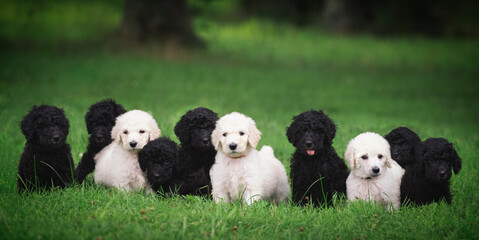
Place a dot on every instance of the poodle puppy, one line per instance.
(117, 164)
(317, 172)
(241, 172)
(99, 119)
(404, 145)
(427, 179)
(46, 160)
(157, 160)
(196, 153)
(374, 174)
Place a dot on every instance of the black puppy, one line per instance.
(46, 160)
(196, 153)
(427, 179)
(99, 119)
(317, 172)
(405, 144)
(157, 159)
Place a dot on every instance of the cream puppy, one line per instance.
(374, 176)
(241, 172)
(117, 165)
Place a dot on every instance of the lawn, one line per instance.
(270, 73)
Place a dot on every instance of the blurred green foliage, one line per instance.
(47, 21)
(55, 20)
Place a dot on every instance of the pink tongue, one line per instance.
(310, 152)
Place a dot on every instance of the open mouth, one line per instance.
(310, 152)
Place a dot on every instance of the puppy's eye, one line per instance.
(142, 131)
(224, 134)
(125, 132)
(241, 133)
(364, 157)
(380, 156)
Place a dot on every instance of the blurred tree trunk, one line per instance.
(347, 15)
(165, 21)
(299, 12)
(336, 16)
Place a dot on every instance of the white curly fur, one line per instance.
(117, 164)
(244, 173)
(374, 176)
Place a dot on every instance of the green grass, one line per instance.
(270, 73)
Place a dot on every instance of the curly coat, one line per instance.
(317, 172)
(196, 154)
(99, 119)
(46, 160)
(157, 160)
(405, 144)
(427, 180)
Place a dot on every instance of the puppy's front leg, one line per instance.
(124, 187)
(220, 196)
(251, 196)
(395, 205)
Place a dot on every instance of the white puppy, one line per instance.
(241, 172)
(117, 165)
(374, 175)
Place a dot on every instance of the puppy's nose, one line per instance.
(375, 170)
(56, 138)
(133, 144)
(233, 146)
(156, 176)
(206, 140)
(309, 144)
(442, 173)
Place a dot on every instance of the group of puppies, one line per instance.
(218, 156)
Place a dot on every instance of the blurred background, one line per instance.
(289, 55)
(174, 23)
(371, 64)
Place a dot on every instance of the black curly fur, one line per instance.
(427, 179)
(196, 153)
(314, 130)
(46, 160)
(404, 144)
(99, 119)
(158, 159)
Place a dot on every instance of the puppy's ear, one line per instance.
(215, 138)
(388, 157)
(349, 155)
(254, 134)
(155, 132)
(142, 158)
(119, 109)
(181, 129)
(291, 132)
(457, 162)
(388, 161)
(418, 156)
(27, 124)
(62, 121)
(329, 126)
(116, 132)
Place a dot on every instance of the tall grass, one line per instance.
(270, 73)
